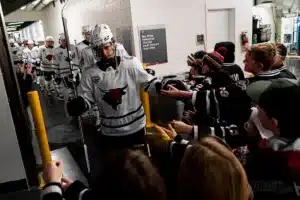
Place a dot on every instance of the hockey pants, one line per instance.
(67, 83)
(48, 76)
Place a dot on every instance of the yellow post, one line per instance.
(39, 124)
(146, 104)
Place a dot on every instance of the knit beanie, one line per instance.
(214, 60)
(227, 50)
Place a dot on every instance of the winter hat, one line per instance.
(195, 59)
(214, 60)
(227, 50)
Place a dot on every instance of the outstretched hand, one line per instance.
(175, 93)
(66, 183)
(53, 172)
(181, 127)
(170, 133)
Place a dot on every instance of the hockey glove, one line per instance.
(150, 71)
(172, 80)
(76, 106)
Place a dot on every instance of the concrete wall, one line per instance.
(20, 15)
(34, 32)
(12, 168)
(82, 12)
(183, 22)
(243, 20)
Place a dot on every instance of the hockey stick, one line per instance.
(64, 20)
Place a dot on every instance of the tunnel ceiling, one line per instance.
(9, 6)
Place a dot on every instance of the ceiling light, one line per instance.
(23, 8)
(266, 4)
(15, 23)
(35, 2)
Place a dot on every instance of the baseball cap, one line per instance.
(278, 97)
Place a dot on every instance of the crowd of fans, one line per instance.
(238, 139)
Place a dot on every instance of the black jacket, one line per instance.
(272, 74)
(25, 84)
(234, 71)
(77, 191)
(286, 73)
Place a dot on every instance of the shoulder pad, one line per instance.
(128, 57)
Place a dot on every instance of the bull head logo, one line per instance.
(114, 96)
(49, 57)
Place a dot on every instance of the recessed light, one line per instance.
(23, 8)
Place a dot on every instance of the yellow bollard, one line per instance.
(39, 124)
(146, 104)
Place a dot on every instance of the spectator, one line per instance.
(279, 62)
(203, 168)
(259, 61)
(128, 174)
(278, 105)
(275, 161)
(195, 62)
(227, 50)
(217, 100)
(210, 171)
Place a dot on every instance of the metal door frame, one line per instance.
(18, 112)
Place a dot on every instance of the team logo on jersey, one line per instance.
(15, 52)
(61, 53)
(49, 57)
(114, 96)
(96, 79)
(224, 92)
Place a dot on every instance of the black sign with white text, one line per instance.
(154, 46)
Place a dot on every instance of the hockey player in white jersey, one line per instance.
(48, 63)
(87, 56)
(15, 51)
(86, 33)
(27, 57)
(36, 63)
(114, 85)
(63, 73)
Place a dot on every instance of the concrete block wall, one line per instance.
(115, 13)
(183, 21)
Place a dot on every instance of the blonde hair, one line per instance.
(264, 53)
(210, 171)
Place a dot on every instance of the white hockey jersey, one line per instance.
(16, 52)
(117, 95)
(48, 60)
(35, 54)
(79, 48)
(27, 57)
(87, 57)
(61, 55)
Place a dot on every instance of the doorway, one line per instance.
(220, 27)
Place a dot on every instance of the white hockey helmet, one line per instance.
(105, 27)
(101, 35)
(30, 42)
(11, 40)
(49, 39)
(62, 36)
(86, 29)
(41, 40)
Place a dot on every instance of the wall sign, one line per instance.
(153, 44)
